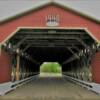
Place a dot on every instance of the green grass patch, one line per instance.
(50, 67)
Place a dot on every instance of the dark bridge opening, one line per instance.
(72, 48)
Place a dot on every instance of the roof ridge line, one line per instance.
(48, 3)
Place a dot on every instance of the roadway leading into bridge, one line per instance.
(50, 89)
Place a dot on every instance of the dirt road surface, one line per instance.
(50, 89)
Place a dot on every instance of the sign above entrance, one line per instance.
(52, 20)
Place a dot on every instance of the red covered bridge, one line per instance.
(51, 32)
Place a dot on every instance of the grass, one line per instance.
(50, 67)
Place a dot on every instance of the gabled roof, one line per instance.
(51, 3)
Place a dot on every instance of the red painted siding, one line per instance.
(96, 67)
(37, 19)
(5, 67)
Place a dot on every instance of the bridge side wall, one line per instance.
(96, 67)
(5, 67)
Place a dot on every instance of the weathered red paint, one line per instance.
(5, 67)
(37, 19)
(96, 67)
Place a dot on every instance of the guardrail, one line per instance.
(9, 86)
(89, 85)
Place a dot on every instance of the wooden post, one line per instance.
(18, 68)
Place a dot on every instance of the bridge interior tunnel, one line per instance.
(72, 48)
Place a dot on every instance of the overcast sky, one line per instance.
(12, 7)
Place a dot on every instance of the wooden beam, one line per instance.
(74, 56)
(49, 36)
(83, 43)
(51, 32)
(30, 58)
(18, 67)
(73, 52)
(20, 42)
(59, 36)
(76, 48)
(69, 60)
(27, 47)
(34, 61)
